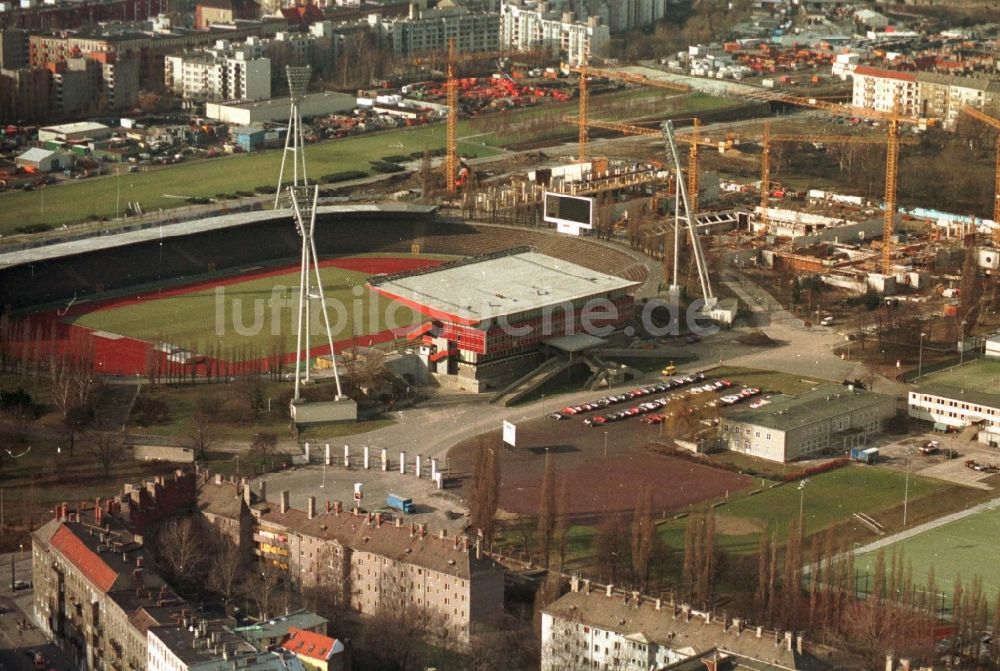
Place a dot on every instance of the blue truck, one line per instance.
(400, 504)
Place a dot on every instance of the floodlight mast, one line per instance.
(298, 83)
(306, 224)
(699, 255)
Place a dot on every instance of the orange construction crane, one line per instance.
(995, 123)
(451, 87)
(892, 161)
(694, 139)
(892, 119)
(585, 71)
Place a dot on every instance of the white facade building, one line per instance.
(922, 94)
(224, 72)
(429, 30)
(956, 408)
(609, 629)
(531, 26)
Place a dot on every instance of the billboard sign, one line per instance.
(510, 433)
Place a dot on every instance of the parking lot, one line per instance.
(896, 455)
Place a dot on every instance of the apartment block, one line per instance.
(224, 72)
(93, 595)
(376, 565)
(606, 628)
(537, 26)
(429, 30)
(922, 94)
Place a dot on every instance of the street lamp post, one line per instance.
(906, 489)
(802, 497)
(920, 356)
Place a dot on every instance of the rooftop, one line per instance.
(505, 285)
(668, 627)
(35, 154)
(202, 642)
(310, 644)
(280, 626)
(961, 394)
(786, 413)
(77, 127)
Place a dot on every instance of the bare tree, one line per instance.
(561, 533)
(263, 448)
(643, 537)
(546, 511)
(226, 568)
(202, 432)
(106, 448)
(181, 551)
(395, 638)
(263, 588)
(485, 496)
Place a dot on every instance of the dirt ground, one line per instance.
(596, 484)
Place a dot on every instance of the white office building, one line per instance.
(955, 408)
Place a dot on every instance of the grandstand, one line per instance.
(86, 269)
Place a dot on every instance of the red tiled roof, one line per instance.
(89, 563)
(309, 644)
(885, 74)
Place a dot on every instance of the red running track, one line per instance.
(50, 332)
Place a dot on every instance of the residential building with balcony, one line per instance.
(92, 593)
(529, 25)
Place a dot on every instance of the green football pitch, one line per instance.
(252, 316)
(963, 548)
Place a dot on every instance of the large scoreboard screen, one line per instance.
(573, 211)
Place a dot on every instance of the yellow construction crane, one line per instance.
(585, 71)
(892, 119)
(451, 89)
(995, 123)
(892, 160)
(693, 139)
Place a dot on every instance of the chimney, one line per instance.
(443, 534)
(413, 530)
(263, 490)
(328, 506)
(378, 520)
(454, 545)
(798, 643)
(479, 549)
(97, 511)
(586, 585)
(423, 531)
(218, 479)
(788, 641)
(284, 501)
(371, 518)
(138, 561)
(659, 604)
(399, 522)
(338, 507)
(609, 589)
(311, 507)
(635, 597)
(574, 584)
(738, 625)
(465, 543)
(246, 493)
(904, 664)
(760, 631)
(889, 662)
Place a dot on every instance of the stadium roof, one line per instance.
(92, 241)
(471, 293)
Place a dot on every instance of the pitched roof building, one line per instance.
(316, 651)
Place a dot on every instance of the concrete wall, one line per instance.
(180, 455)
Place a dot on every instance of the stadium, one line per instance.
(212, 296)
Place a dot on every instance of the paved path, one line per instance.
(927, 526)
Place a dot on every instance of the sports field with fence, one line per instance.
(963, 548)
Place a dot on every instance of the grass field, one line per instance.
(250, 315)
(167, 187)
(963, 549)
(769, 381)
(980, 375)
